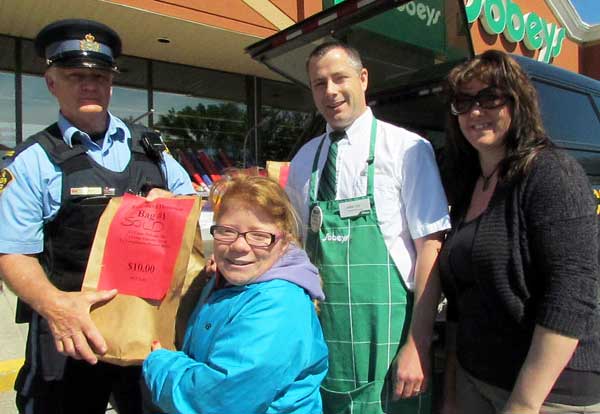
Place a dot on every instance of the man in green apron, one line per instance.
(374, 212)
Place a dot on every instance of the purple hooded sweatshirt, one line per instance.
(295, 267)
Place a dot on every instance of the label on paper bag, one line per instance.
(142, 246)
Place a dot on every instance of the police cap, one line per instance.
(79, 43)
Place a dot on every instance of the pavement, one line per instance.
(12, 349)
(13, 337)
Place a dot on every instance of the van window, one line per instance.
(569, 116)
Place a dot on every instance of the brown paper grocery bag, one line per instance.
(278, 171)
(129, 323)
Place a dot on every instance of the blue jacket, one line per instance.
(248, 349)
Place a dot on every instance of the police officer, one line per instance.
(51, 198)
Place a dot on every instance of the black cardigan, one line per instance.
(535, 260)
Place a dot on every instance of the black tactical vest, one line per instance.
(86, 190)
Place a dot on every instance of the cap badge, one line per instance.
(89, 43)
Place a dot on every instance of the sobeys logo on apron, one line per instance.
(329, 237)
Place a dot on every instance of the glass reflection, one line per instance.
(130, 104)
(39, 106)
(210, 125)
(7, 111)
(288, 120)
(195, 108)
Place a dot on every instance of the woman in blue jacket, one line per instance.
(254, 343)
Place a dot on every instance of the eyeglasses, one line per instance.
(255, 238)
(487, 98)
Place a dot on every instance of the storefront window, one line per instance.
(132, 72)
(286, 112)
(200, 109)
(198, 82)
(130, 97)
(7, 53)
(201, 124)
(7, 93)
(130, 104)
(194, 108)
(40, 108)
(7, 111)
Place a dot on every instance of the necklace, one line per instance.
(488, 178)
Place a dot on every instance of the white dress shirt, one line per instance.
(409, 198)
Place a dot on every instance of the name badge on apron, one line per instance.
(316, 218)
(355, 208)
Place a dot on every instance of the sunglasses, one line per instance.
(488, 98)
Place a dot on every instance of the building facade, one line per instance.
(546, 30)
(186, 73)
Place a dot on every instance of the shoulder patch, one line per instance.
(5, 178)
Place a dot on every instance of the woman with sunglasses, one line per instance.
(520, 266)
(254, 343)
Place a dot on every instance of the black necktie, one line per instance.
(327, 184)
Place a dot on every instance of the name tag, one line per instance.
(316, 219)
(86, 191)
(355, 208)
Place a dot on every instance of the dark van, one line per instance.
(409, 47)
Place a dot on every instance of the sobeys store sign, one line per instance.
(505, 16)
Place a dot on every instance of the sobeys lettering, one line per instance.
(425, 13)
(336, 238)
(505, 16)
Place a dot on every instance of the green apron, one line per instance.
(367, 311)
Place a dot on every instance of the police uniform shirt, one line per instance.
(32, 195)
